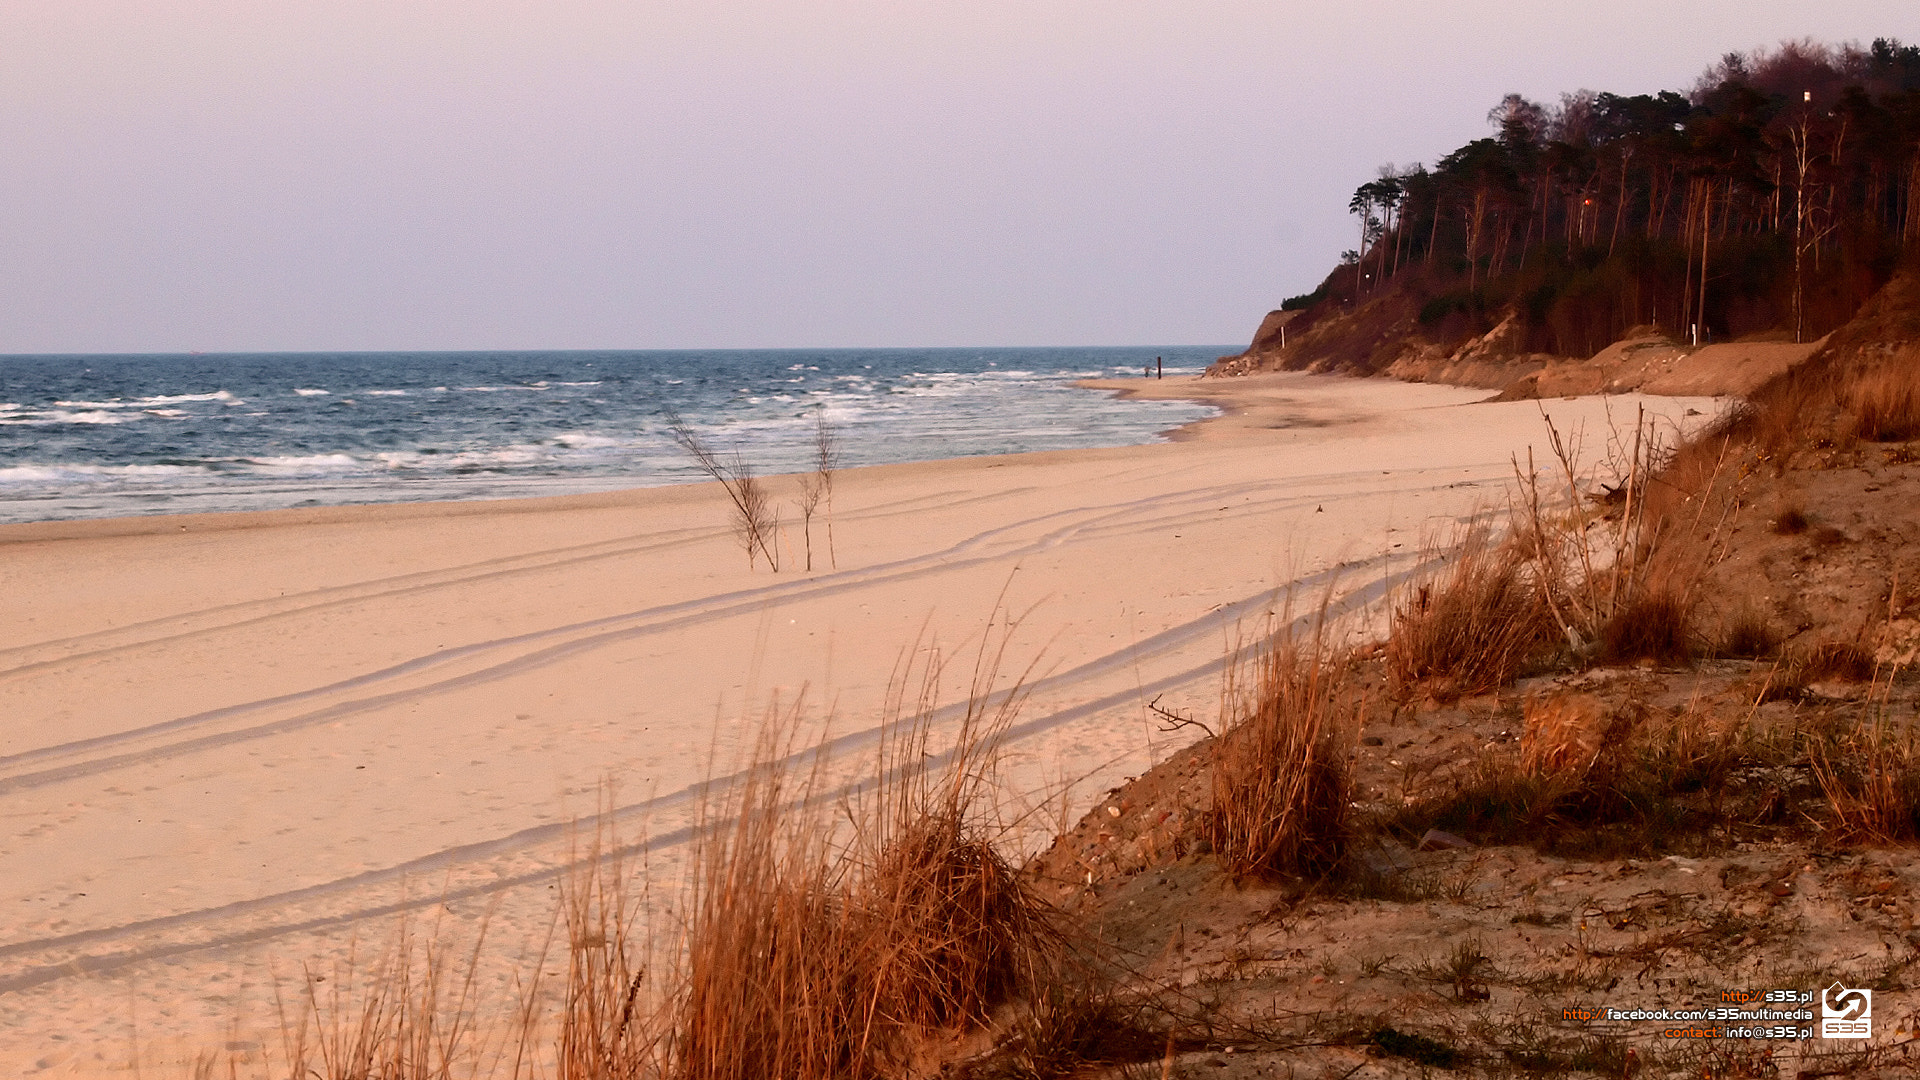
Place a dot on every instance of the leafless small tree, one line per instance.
(811, 492)
(753, 520)
(816, 488)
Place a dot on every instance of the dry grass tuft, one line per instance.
(411, 1012)
(1784, 409)
(608, 1017)
(820, 937)
(1475, 628)
(1564, 735)
(1885, 402)
(1654, 623)
(1839, 661)
(1603, 781)
(1747, 634)
(767, 985)
(1281, 770)
(809, 958)
(949, 927)
(1873, 784)
(1829, 403)
(1791, 521)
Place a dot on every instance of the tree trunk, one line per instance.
(1620, 205)
(1706, 231)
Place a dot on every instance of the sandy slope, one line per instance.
(235, 743)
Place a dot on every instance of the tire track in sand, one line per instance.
(102, 962)
(575, 638)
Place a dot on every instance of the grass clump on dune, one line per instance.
(1282, 775)
(1472, 629)
(1885, 402)
(812, 953)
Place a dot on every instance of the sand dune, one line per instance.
(235, 743)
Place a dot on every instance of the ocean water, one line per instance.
(110, 435)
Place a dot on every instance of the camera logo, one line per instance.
(1846, 1014)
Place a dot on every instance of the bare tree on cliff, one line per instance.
(1388, 193)
(1362, 204)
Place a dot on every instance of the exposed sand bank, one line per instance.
(241, 738)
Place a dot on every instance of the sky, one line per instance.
(231, 175)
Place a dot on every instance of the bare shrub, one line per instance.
(816, 487)
(1622, 582)
(1475, 627)
(754, 521)
(1281, 771)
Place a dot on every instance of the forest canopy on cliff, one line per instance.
(1776, 194)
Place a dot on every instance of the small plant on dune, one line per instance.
(1472, 629)
(1068, 1028)
(755, 522)
(1839, 661)
(1595, 779)
(1282, 776)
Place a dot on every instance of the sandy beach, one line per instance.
(240, 743)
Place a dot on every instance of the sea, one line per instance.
(88, 436)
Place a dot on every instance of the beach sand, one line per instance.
(237, 744)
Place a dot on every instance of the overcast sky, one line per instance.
(419, 174)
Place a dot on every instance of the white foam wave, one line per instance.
(579, 440)
(154, 401)
(305, 462)
(16, 476)
(50, 417)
